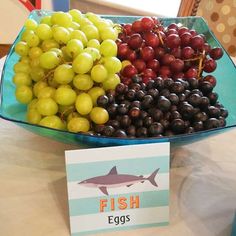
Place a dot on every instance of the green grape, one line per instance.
(46, 20)
(24, 94)
(48, 44)
(53, 122)
(93, 17)
(25, 59)
(44, 31)
(58, 52)
(30, 24)
(49, 60)
(93, 52)
(25, 34)
(108, 48)
(33, 116)
(38, 86)
(94, 93)
(32, 104)
(46, 92)
(82, 63)
(32, 40)
(75, 25)
(61, 18)
(112, 64)
(111, 82)
(35, 52)
(78, 34)
(47, 107)
(99, 73)
(74, 47)
(22, 78)
(65, 96)
(35, 62)
(21, 67)
(76, 15)
(72, 114)
(83, 82)
(37, 73)
(99, 115)
(22, 48)
(61, 35)
(78, 124)
(108, 33)
(65, 86)
(84, 104)
(91, 32)
(63, 74)
(93, 43)
(84, 21)
(65, 55)
(102, 24)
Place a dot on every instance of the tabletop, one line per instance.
(33, 195)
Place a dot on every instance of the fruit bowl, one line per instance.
(12, 110)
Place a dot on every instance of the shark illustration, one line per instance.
(113, 180)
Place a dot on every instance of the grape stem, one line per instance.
(200, 66)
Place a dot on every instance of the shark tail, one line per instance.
(151, 178)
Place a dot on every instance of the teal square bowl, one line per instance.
(225, 73)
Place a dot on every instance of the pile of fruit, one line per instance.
(82, 73)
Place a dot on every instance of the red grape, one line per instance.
(129, 71)
(211, 79)
(123, 50)
(176, 52)
(153, 64)
(187, 53)
(182, 30)
(147, 23)
(147, 53)
(171, 31)
(216, 53)
(173, 26)
(149, 73)
(151, 39)
(209, 65)
(173, 41)
(177, 65)
(135, 41)
(185, 39)
(131, 55)
(127, 29)
(137, 26)
(165, 71)
(167, 59)
(159, 52)
(207, 48)
(197, 42)
(193, 32)
(140, 65)
(191, 73)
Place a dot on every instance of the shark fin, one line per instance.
(113, 171)
(151, 178)
(129, 185)
(104, 190)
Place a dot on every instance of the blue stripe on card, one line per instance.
(87, 206)
(140, 166)
(122, 228)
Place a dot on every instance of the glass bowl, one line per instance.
(225, 73)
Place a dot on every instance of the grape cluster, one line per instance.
(161, 107)
(66, 61)
(149, 49)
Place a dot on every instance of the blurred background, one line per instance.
(219, 14)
